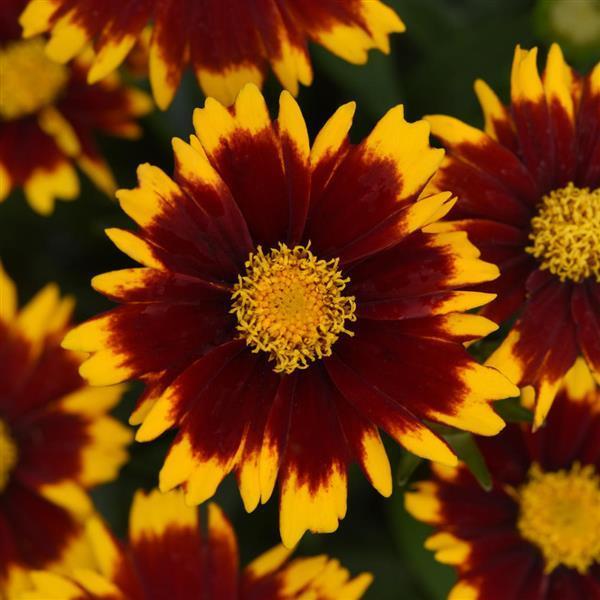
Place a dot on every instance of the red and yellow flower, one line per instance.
(49, 115)
(168, 557)
(289, 305)
(56, 438)
(227, 43)
(529, 198)
(536, 534)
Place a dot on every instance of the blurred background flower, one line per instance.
(49, 116)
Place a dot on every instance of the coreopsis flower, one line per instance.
(227, 43)
(49, 116)
(167, 558)
(56, 438)
(529, 198)
(536, 535)
(289, 306)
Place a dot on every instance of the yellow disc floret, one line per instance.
(291, 305)
(566, 233)
(29, 80)
(8, 455)
(560, 514)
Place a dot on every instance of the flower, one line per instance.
(56, 438)
(228, 44)
(289, 306)
(536, 535)
(167, 557)
(48, 117)
(529, 198)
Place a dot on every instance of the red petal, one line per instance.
(585, 306)
(483, 193)
(39, 530)
(251, 166)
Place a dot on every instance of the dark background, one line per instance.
(432, 67)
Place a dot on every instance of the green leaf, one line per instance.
(434, 579)
(512, 411)
(407, 466)
(467, 450)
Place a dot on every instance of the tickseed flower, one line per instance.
(289, 306)
(228, 44)
(168, 557)
(56, 439)
(49, 116)
(536, 534)
(529, 198)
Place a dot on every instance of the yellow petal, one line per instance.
(292, 123)
(34, 317)
(179, 464)
(579, 381)
(493, 109)
(269, 562)
(333, 134)
(110, 57)
(407, 145)
(134, 246)
(68, 38)
(226, 85)
(422, 502)
(153, 513)
(526, 84)
(448, 549)
(36, 17)
(8, 296)
(44, 186)
(318, 510)
(251, 112)
(558, 81)
(57, 127)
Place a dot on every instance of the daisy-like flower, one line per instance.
(536, 534)
(56, 439)
(227, 43)
(168, 558)
(529, 198)
(289, 305)
(49, 115)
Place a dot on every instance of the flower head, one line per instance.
(56, 439)
(537, 533)
(167, 557)
(529, 197)
(228, 44)
(290, 305)
(49, 116)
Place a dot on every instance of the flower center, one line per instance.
(290, 305)
(560, 514)
(566, 233)
(8, 455)
(29, 80)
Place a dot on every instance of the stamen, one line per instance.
(290, 305)
(566, 233)
(560, 514)
(29, 80)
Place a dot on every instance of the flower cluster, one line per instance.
(294, 299)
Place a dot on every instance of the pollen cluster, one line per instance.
(560, 514)
(291, 305)
(8, 455)
(29, 80)
(566, 233)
